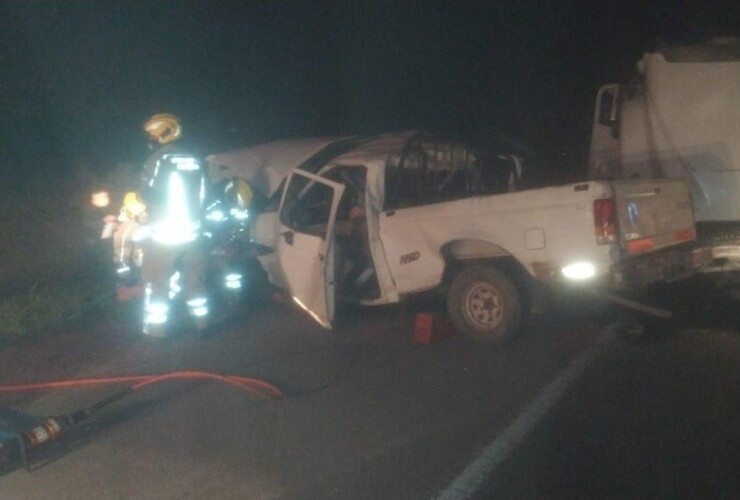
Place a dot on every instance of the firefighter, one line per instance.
(162, 130)
(227, 222)
(173, 190)
(128, 229)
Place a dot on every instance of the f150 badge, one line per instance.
(410, 257)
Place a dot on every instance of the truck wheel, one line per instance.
(484, 304)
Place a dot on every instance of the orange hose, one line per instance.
(256, 386)
(252, 385)
(63, 384)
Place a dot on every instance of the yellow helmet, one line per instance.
(239, 192)
(132, 205)
(163, 128)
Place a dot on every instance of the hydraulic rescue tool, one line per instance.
(21, 434)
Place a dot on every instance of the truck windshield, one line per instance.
(316, 162)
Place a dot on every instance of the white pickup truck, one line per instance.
(375, 219)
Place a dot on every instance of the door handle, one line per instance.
(288, 235)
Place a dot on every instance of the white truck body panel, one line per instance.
(647, 208)
(504, 221)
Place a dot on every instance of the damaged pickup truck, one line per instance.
(372, 220)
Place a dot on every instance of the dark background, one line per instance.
(79, 78)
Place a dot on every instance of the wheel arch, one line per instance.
(462, 253)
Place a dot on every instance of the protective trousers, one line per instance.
(169, 272)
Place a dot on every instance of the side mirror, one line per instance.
(515, 176)
(609, 109)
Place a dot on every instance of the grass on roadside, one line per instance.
(45, 304)
(45, 241)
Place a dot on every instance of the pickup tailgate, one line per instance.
(653, 214)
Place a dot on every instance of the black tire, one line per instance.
(484, 304)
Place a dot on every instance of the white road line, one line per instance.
(479, 471)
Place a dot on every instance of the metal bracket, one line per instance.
(634, 305)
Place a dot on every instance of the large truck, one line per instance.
(680, 117)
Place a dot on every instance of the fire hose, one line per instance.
(16, 443)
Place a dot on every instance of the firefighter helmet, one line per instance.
(239, 193)
(133, 206)
(163, 128)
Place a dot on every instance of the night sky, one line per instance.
(79, 78)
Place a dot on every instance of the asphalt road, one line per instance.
(572, 409)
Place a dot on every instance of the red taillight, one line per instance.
(686, 235)
(605, 220)
(640, 246)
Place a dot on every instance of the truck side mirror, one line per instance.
(609, 109)
(609, 106)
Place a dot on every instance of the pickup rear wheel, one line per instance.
(484, 304)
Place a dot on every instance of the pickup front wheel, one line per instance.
(484, 304)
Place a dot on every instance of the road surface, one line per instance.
(572, 409)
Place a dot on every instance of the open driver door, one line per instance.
(305, 242)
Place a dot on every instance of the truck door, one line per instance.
(305, 242)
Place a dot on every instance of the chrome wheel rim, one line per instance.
(483, 306)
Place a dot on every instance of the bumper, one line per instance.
(725, 258)
(662, 266)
